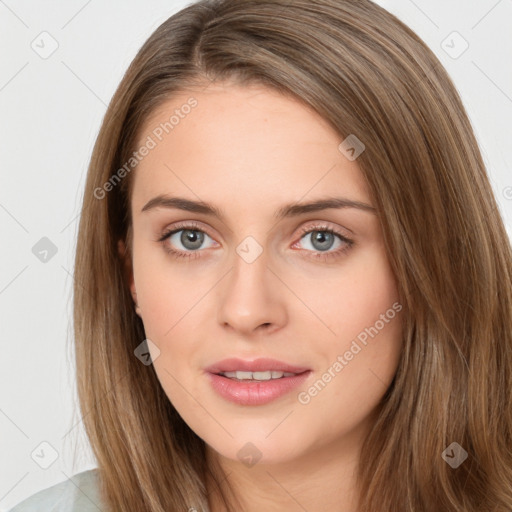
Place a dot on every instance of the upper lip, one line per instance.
(256, 365)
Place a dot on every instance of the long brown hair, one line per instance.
(369, 75)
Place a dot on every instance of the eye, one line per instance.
(189, 236)
(322, 239)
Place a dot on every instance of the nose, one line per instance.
(252, 297)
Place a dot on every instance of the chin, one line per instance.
(254, 445)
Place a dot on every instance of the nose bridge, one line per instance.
(250, 264)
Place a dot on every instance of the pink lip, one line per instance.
(258, 365)
(251, 392)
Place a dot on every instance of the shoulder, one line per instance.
(80, 493)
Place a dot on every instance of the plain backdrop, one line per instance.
(60, 62)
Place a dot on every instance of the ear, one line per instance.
(128, 272)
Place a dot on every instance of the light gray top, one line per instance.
(80, 493)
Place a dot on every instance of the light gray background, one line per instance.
(50, 111)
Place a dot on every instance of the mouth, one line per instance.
(256, 382)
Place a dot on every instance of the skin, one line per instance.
(249, 151)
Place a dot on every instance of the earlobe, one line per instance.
(128, 272)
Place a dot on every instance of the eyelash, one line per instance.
(305, 230)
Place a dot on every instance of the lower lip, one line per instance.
(255, 393)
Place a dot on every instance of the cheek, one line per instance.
(166, 295)
(373, 314)
(173, 298)
(170, 303)
(369, 303)
(352, 299)
(359, 360)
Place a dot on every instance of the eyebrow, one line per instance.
(290, 210)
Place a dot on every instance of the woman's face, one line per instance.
(261, 278)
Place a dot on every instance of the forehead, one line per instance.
(242, 143)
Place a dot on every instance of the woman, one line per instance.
(287, 214)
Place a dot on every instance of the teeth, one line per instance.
(268, 375)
